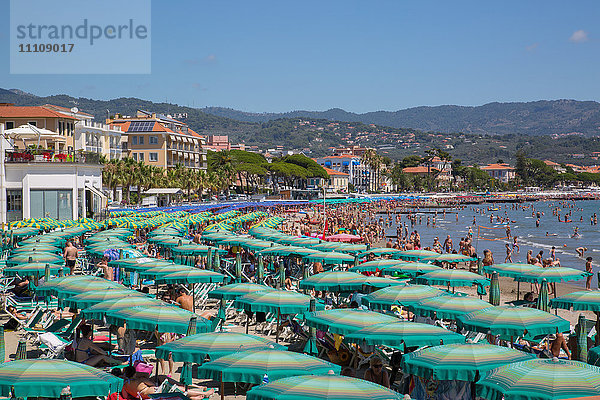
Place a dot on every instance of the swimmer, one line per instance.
(581, 251)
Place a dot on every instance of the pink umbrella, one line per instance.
(344, 237)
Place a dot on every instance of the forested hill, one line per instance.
(533, 118)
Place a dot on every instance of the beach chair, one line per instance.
(52, 346)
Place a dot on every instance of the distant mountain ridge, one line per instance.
(544, 117)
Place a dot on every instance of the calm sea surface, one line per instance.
(523, 225)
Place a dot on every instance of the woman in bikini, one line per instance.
(140, 387)
(89, 353)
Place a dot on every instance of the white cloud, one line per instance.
(532, 47)
(579, 36)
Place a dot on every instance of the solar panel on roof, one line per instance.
(141, 126)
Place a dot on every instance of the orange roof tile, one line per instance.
(9, 111)
(418, 170)
(334, 172)
(65, 109)
(497, 166)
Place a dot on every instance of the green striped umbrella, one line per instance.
(88, 299)
(21, 352)
(513, 321)
(372, 266)
(195, 348)
(331, 258)
(552, 274)
(138, 264)
(495, 290)
(73, 288)
(410, 268)
(280, 301)
(35, 258)
(47, 378)
(192, 276)
(449, 258)
(162, 318)
(542, 300)
(194, 249)
(416, 255)
(511, 270)
(344, 321)
(257, 245)
(382, 251)
(409, 334)
(379, 282)
(452, 277)
(582, 339)
(287, 251)
(231, 292)
(37, 248)
(448, 307)
(594, 356)
(541, 379)
(327, 246)
(252, 366)
(37, 269)
(578, 301)
(463, 362)
(164, 270)
(322, 387)
(98, 310)
(334, 281)
(384, 299)
(52, 286)
(353, 249)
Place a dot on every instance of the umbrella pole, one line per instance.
(518, 289)
(247, 322)
(222, 387)
(597, 339)
(277, 331)
(193, 298)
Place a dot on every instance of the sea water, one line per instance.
(523, 225)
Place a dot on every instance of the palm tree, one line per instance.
(112, 175)
(200, 182)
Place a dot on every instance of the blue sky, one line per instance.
(274, 56)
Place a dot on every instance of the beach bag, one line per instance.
(141, 366)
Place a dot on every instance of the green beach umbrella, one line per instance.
(410, 268)
(88, 299)
(552, 274)
(407, 334)
(162, 318)
(192, 276)
(582, 339)
(21, 352)
(195, 348)
(73, 288)
(260, 269)
(448, 307)
(372, 266)
(453, 278)
(334, 281)
(379, 282)
(415, 255)
(2, 345)
(47, 378)
(209, 258)
(252, 366)
(495, 290)
(37, 248)
(511, 270)
(331, 258)
(287, 251)
(233, 291)
(277, 301)
(34, 258)
(463, 362)
(449, 258)
(322, 387)
(217, 262)
(344, 321)
(138, 263)
(186, 372)
(382, 251)
(578, 301)
(384, 299)
(37, 269)
(542, 300)
(594, 356)
(513, 321)
(52, 286)
(162, 270)
(98, 310)
(194, 249)
(541, 379)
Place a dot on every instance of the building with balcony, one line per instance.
(161, 141)
(359, 175)
(337, 182)
(217, 142)
(42, 117)
(502, 172)
(37, 183)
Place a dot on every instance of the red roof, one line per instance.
(497, 166)
(334, 172)
(418, 170)
(65, 109)
(10, 111)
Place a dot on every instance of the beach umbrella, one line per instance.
(495, 290)
(541, 379)
(238, 267)
(578, 301)
(330, 258)
(379, 282)
(21, 353)
(322, 387)
(382, 251)
(552, 275)
(98, 310)
(449, 258)
(353, 249)
(344, 321)
(582, 339)
(513, 321)
(447, 306)
(453, 278)
(196, 348)
(594, 356)
(334, 281)
(233, 291)
(136, 264)
(88, 299)
(412, 269)
(463, 362)
(256, 244)
(194, 249)
(158, 271)
(162, 318)
(286, 251)
(511, 270)
(50, 287)
(34, 258)
(37, 248)
(194, 275)
(252, 366)
(48, 378)
(416, 255)
(372, 266)
(36, 269)
(72, 288)
(542, 300)
(384, 299)
(401, 333)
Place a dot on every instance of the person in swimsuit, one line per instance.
(70, 256)
(136, 386)
(161, 339)
(89, 353)
(376, 374)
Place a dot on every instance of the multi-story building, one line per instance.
(91, 136)
(359, 175)
(502, 172)
(40, 117)
(337, 182)
(217, 142)
(161, 141)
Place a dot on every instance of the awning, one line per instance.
(164, 191)
(95, 191)
(173, 138)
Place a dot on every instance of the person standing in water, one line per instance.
(588, 268)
